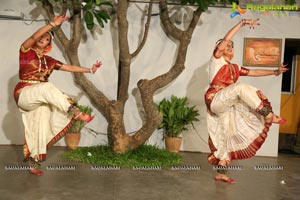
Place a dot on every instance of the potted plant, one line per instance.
(177, 115)
(73, 134)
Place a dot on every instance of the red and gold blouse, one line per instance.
(34, 69)
(222, 74)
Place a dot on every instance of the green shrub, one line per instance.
(177, 115)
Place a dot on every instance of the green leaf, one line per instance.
(99, 19)
(184, 2)
(176, 115)
(203, 5)
(105, 3)
(290, 2)
(89, 19)
(102, 14)
(87, 7)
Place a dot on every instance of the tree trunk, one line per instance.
(113, 110)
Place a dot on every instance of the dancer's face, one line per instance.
(229, 51)
(43, 41)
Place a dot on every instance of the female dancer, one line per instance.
(47, 113)
(239, 115)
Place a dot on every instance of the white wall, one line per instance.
(154, 59)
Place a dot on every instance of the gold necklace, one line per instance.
(42, 74)
(232, 71)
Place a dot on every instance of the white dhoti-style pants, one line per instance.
(45, 118)
(236, 130)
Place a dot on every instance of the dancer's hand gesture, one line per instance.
(281, 69)
(96, 66)
(58, 20)
(251, 22)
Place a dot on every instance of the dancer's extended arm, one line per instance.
(259, 72)
(221, 46)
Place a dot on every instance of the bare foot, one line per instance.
(36, 172)
(221, 177)
(84, 117)
(278, 120)
(272, 118)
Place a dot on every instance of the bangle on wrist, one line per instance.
(91, 71)
(52, 24)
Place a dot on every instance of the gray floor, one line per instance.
(81, 182)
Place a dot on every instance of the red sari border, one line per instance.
(62, 133)
(251, 150)
(248, 152)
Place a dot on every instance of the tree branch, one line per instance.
(76, 33)
(147, 25)
(153, 116)
(98, 99)
(124, 57)
(170, 28)
(184, 41)
(60, 34)
(148, 87)
(196, 16)
(64, 6)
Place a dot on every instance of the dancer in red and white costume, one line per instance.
(47, 113)
(239, 115)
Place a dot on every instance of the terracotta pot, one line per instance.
(72, 140)
(173, 144)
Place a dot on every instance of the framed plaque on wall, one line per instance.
(265, 52)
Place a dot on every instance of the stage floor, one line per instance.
(261, 178)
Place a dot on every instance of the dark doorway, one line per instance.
(291, 49)
(289, 138)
